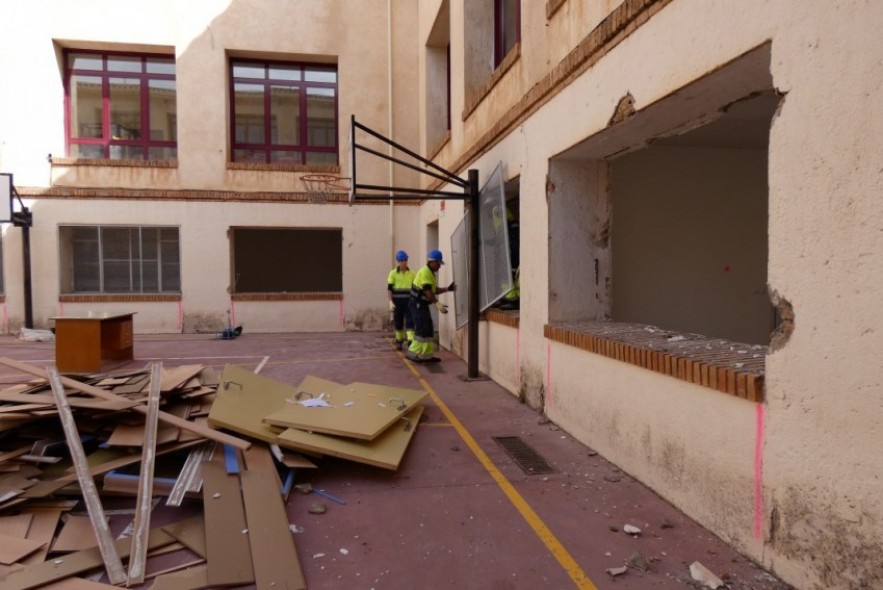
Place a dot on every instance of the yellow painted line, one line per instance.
(580, 579)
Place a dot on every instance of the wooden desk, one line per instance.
(82, 342)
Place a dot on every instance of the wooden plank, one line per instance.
(112, 562)
(190, 476)
(385, 451)
(143, 506)
(74, 401)
(75, 535)
(164, 416)
(44, 488)
(42, 529)
(78, 584)
(189, 534)
(16, 526)
(276, 564)
(194, 578)
(227, 550)
(38, 575)
(13, 549)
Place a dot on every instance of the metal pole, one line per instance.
(26, 266)
(472, 301)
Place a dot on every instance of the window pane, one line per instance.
(249, 156)
(285, 110)
(241, 70)
(125, 108)
(118, 276)
(149, 276)
(321, 117)
(171, 277)
(160, 66)
(162, 110)
(162, 153)
(126, 152)
(123, 64)
(321, 158)
(285, 157)
(85, 61)
(118, 243)
(329, 76)
(278, 72)
(249, 107)
(87, 151)
(85, 105)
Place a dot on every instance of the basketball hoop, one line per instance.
(321, 186)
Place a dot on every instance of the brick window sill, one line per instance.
(119, 298)
(329, 296)
(501, 316)
(114, 163)
(729, 367)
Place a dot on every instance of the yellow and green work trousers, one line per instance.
(402, 319)
(423, 343)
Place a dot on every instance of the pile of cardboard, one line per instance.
(65, 440)
(361, 422)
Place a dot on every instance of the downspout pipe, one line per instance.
(392, 246)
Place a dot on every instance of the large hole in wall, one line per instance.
(662, 218)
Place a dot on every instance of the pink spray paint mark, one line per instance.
(232, 313)
(758, 475)
(341, 316)
(180, 316)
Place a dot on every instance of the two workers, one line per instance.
(423, 292)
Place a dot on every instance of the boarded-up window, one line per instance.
(286, 260)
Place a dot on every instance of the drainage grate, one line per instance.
(524, 456)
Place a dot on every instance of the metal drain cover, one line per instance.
(524, 456)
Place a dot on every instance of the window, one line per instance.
(284, 260)
(507, 27)
(120, 106)
(438, 81)
(120, 259)
(284, 112)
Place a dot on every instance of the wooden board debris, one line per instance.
(386, 451)
(359, 410)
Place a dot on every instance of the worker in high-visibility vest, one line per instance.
(424, 293)
(399, 293)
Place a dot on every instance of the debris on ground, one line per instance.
(703, 575)
(92, 436)
(617, 571)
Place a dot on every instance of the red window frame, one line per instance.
(107, 139)
(300, 152)
(504, 38)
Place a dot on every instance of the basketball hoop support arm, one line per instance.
(470, 195)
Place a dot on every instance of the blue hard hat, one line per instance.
(401, 256)
(435, 255)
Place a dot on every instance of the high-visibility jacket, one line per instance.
(399, 282)
(424, 277)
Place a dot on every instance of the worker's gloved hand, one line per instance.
(452, 287)
(442, 308)
(392, 306)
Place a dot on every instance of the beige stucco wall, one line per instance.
(377, 76)
(812, 447)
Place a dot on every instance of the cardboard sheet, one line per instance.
(244, 398)
(359, 410)
(385, 451)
